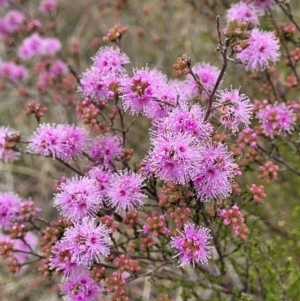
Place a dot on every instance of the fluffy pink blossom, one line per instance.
(243, 12)
(164, 101)
(207, 74)
(263, 48)
(81, 287)
(140, 90)
(50, 46)
(61, 260)
(125, 191)
(173, 157)
(93, 85)
(106, 148)
(78, 198)
(47, 6)
(192, 245)
(214, 174)
(13, 20)
(12, 71)
(7, 153)
(10, 205)
(103, 178)
(233, 109)
(110, 60)
(61, 141)
(36, 45)
(276, 118)
(87, 242)
(186, 120)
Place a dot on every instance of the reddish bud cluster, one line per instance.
(125, 264)
(28, 211)
(156, 225)
(291, 82)
(247, 137)
(180, 216)
(109, 222)
(234, 217)
(116, 284)
(181, 67)
(36, 109)
(115, 33)
(17, 230)
(6, 248)
(87, 111)
(258, 192)
(174, 195)
(97, 273)
(268, 172)
(131, 219)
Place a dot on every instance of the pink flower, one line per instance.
(106, 148)
(263, 47)
(186, 120)
(61, 260)
(36, 45)
(78, 198)
(110, 60)
(192, 245)
(243, 12)
(93, 85)
(125, 191)
(5, 152)
(173, 157)
(233, 109)
(47, 6)
(30, 47)
(139, 91)
(50, 46)
(87, 242)
(276, 118)
(103, 179)
(207, 74)
(13, 20)
(12, 71)
(214, 174)
(81, 287)
(61, 141)
(10, 205)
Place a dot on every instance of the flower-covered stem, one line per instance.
(221, 75)
(291, 64)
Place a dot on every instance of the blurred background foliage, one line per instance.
(159, 31)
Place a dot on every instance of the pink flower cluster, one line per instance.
(61, 141)
(276, 119)
(35, 45)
